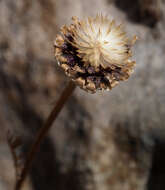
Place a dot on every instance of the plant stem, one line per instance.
(43, 132)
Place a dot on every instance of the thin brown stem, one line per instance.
(43, 132)
(14, 143)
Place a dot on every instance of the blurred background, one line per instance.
(107, 141)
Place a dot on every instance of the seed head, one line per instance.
(95, 53)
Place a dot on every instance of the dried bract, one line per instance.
(94, 53)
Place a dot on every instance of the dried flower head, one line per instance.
(95, 53)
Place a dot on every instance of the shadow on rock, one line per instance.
(45, 173)
(144, 12)
(157, 173)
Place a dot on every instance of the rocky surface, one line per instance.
(109, 140)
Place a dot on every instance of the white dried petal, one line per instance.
(100, 41)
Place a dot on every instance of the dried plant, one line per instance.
(14, 144)
(95, 53)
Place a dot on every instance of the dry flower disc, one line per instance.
(95, 53)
